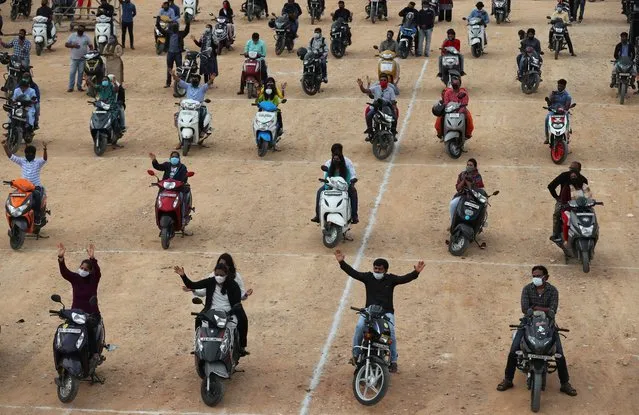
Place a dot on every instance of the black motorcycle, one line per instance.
(18, 128)
(376, 10)
(105, 126)
(217, 351)
(371, 377)
(536, 357)
(95, 70)
(383, 139)
(22, 7)
(252, 10)
(627, 9)
(531, 73)
(339, 38)
(315, 10)
(284, 38)
(559, 28)
(15, 71)
(500, 11)
(189, 67)
(312, 73)
(71, 353)
(624, 76)
(469, 219)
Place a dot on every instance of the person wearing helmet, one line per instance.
(479, 12)
(560, 14)
(528, 42)
(24, 92)
(196, 92)
(456, 94)
(270, 92)
(624, 49)
(558, 99)
(451, 41)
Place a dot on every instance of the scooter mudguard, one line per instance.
(475, 41)
(20, 223)
(166, 221)
(38, 39)
(451, 135)
(187, 133)
(584, 244)
(465, 230)
(218, 367)
(72, 366)
(336, 218)
(264, 135)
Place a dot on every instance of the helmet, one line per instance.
(438, 108)
(301, 52)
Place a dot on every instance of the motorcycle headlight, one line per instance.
(79, 318)
(557, 125)
(17, 211)
(19, 112)
(78, 344)
(586, 230)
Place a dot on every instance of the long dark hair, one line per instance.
(230, 264)
(339, 167)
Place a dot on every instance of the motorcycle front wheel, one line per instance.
(15, 137)
(370, 387)
(100, 144)
(212, 395)
(623, 89)
(68, 387)
(279, 45)
(262, 148)
(535, 393)
(557, 49)
(458, 244)
(383, 144)
(530, 84)
(16, 239)
(309, 86)
(165, 237)
(585, 261)
(330, 238)
(558, 151)
(476, 49)
(337, 48)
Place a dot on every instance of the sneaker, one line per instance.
(167, 85)
(352, 361)
(568, 389)
(325, 80)
(462, 73)
(315, 219)
(507, 20)
(70, 90)
(439, 74)
(80, 89)
(368, 131)
(393, 367)
(240, 92)
(368, 138)
(573, 54)
(546, 141)
(244, 352)
(355, 220)
(612, 84)
(505, 385)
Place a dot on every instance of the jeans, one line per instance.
(31, 112)
(127, 26)
(77, 70)
(94, 322)
(359, 336)
(202, 115)
(37, 196)
(352, 195)
(556, 220)
(511, 365)
(424, 35)
(566, 36)
(37, 113)
(294, 26)
(172, 58)
(452, 206)
(324, 69)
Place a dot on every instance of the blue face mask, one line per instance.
(174, 161)
(105, 83)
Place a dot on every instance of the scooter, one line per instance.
(406, 41)
(188, 124)
(221, 35)
(39, 32)
(190, 9)
(451, 65)
(168, 208)
(624, 77)
(580, 231)
(103, 35)
(105, 126)
(335, 210)
(387, 65)
(160, 40)
(266, 131)
(17, 127)
(454, 129)
(559, 133)
(188, 68)
(469, 220)
(20, 214)
(217, 350)
(476, 33)
(252, 71)
(500, 11)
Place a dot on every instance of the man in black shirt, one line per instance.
(344, 14)
(563, 197)
(539, 295)
(105, 9)
(46, 11)
(294, 11)
(379, 291)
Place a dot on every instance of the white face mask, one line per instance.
(378, 275)
(538, 281)
(268, 91)
(220, 279)
(83, 273)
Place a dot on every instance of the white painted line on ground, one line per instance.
(319, 368)
(63, 410)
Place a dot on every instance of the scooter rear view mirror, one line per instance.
(196, 300)
(190, 174)
(151, 172)
(324, 168)
(496, 192)
(56, 298)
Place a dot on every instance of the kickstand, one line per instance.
(482, 245)
(347, 237)
(97, 379)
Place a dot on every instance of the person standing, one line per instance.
(208, 50)
(174, 46)
(425, 23)
(80, 44)
(445, 10)
(128, 13)
(21, 47)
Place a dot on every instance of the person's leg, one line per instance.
(569, 42)
(429, 36)
(352, 194)
(37, 115)
(1, 24)
(31, 117)
(470, 125)
(242, 327)
(452, 206)
(393, 346)
(562, 366)
(263, 71)
(441, 15)
(358, 336)
(37, 201)
(449, 15)
(170, 60)
(550, 33)
(80, 72)
(419, 40)
(72, 69)
(122, 117)
(438, 126)
(582, 7)
(324, 71)
(461, 64)
(556, 221)
(123, 27)
(546, 126)
(369, 120)
(279, 120)
(441, 66)
(317, 202)
(511, 364)
(613, 77)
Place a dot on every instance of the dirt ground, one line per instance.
(452, 323)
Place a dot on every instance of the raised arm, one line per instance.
(45, 156)
(552, 186)
(193, 285)
(360, 276)
(64, 271)
(403, 279)
(94, 262)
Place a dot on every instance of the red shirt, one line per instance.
(454, 43)
(450, 95)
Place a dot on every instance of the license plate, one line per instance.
(540, 357)
(164, 194)
(386, 67)
(74, 331)
(454, 115)
(471, 205)
(211, 339)
(381, 346)
(100, 112)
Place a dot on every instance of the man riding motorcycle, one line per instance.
(319, 47)
(293, 11)
(455, 43)
(174, 169)
(270, 92)
(195, 92)
(624, 49)
(452, 95)
(479, 12)
(538, 296)
(386, 93)
(559, 98)
(344, 14)
(24, 92)
(560, 14)
(529, 41)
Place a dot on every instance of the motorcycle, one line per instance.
(189, 67)
(376, 10)
(160, 40)
(190, 9)
(105, 126)
(252, 71)
(20, 214)
(500, 11)
(387, 65)
(559, 36)
(451, 65)
(627, 9)
(284, 38)
(17, 127)
(531, 74)
(15, 71)
(537, 355)
(266, 130)
(559, 133)
(371, 374)
(71, 355)
(339, 38)
(22, 7)
(469, 220)
(406, 41)
(624, 75)
(383, 140)
(188, 124)
(476, 34)
(221, 35)
(39, 32)
(312, 72)
(217, 350)
(315, 11)
(580, 230)
(168, 208)
(103, 36)
(95, 69)
(335, 210)
(454, 129)
(252, 10)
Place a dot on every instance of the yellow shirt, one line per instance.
(276, 99)
(560, 15)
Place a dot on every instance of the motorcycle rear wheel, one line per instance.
(214, 396)
(585, 261)
(68, 388)
(535, 393)
(623, 89)
(262, 148)
(16, 240)
(458, 244)
(383, 145)
(377, 370)
(331, 237)
(165, 238)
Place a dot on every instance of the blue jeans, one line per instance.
(77, 70)
(359, 335)
(424, 35)
(452, 206)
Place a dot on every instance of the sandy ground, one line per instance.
(452, 322)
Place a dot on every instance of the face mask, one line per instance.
(574, 170)
(268, 91)
(105, 83)
(174, 161)
(220, 279)
(83, 273)
(451, 37)
(29, 157)
(383, 84)
(538, 281)
(80, 32)
(207, 29)
(226, 6)
(195, 83)
(378, 275)
(469, 169)
(317, 35)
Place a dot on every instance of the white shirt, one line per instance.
(220, 301)
(238, 279)
(349, 165)
(30, 169)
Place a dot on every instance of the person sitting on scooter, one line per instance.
(343, 13)
(23, 93)
(255, 45)
(319, 47)
(227, 12)
(107, 92)
(479, 12)
(382, 92)
(467, 179)
(196, 92)
(389, 43)
(294, 11)
(451, 41)
(175, 170)
(120, 96)
(222, 293)
(558, 99)
(560, 14)
(624, 49)
(564, 180)
(105, 9)
(36, 105)
(380, 286)
(528, 41)
(270, 92)
(46, 11)
(31, 168)
(456, 94)
(338, 165)
(84, 283)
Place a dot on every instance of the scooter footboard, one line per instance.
(465, 230)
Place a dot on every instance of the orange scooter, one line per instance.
(20, 214)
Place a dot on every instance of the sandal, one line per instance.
(505, 385)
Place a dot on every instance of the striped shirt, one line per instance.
(30, 169)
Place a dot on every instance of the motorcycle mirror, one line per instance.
(56, 298)
(541, 53)
(283, 101)
(151, 172)
(375, 47)
(573, 105)
(463, 18)
(324, 168)
(190, 174)
(93, 301)
(496, 192)
(208, 101)
(547, 17)
(196, 300)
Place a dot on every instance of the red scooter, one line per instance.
(252, 74)
(168, 208)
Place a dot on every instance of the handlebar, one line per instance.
(54, 312)
(6, 182)
(361, 310)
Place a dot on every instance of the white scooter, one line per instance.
(476, 33)
(102, 33)
(39, 32)
(266, 131)
(188, 124)
(190, 10)
(335, 210)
